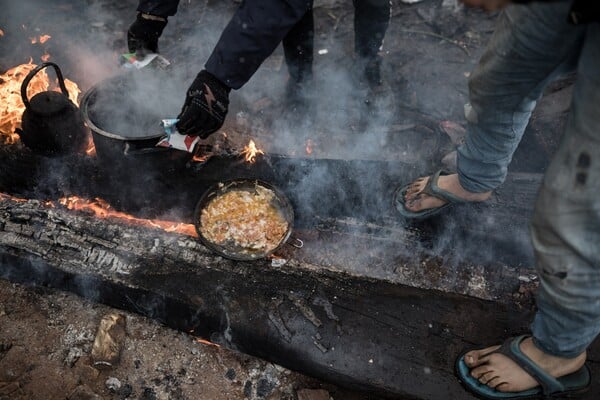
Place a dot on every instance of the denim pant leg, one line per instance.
(530, 46)
(566, 222)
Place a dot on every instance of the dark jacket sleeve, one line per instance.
(255, 30)
(161, 8)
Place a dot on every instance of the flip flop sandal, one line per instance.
(550, 387)
(430, 189)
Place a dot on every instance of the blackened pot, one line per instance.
(124, 114)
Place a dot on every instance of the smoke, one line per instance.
(388, 136)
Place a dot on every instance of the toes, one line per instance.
(481, 371)
(475, 358)
(496, 383)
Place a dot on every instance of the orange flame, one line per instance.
(250, 152)
(1, 33)
(309, 147)
(201, 158)
(41, 39)
(100, 208)
(11, 105)
(91, 148)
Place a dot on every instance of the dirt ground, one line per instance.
(46, 340)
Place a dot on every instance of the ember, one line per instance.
(102, 209)
(206, 342)
(41, 39)
(309, 146)
(250, 152)
(11, 105)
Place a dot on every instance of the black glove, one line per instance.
(143, 34)
(205, 106)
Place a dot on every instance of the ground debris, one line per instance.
(107, 346)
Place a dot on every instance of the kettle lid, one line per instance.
(49, 103)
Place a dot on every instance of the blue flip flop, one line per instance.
(431, 189)
(576, 383)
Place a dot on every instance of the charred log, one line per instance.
(370, 334)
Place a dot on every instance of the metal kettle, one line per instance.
(51, 124)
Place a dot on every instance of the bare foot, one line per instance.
(417, 201)
(501, 373)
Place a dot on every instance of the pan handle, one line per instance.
(295, 242)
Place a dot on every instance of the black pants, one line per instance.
(371, 20)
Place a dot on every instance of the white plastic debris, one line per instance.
(113, 384)
(278, 262)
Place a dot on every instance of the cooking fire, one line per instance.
(352, 223)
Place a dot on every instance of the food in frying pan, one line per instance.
(248, 221)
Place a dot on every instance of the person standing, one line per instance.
(253, 33)
(532, 44)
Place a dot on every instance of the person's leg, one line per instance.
(530, 46)
(371, 20)
(566, 237)
(298, 46)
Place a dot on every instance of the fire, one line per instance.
(201, 158)
(91, 148)
(41, 39)
(11, 105)
(45, 57)
(100, 208)
(309, 147)
(1, 33)
(250, 152)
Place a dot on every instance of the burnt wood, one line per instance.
(394, 339)
(319, 189)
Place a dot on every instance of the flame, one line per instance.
(100, 208)
(41, 39)
(309, 147)
(45, 57)
(201, 158)
(11, 105)
(91, 148)
(250, 152)
(1, 33)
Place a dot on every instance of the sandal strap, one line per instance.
(511, 349)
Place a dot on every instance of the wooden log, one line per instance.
(394, 338)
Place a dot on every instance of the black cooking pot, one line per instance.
(230, 250)
(124, 114)
(51, 123)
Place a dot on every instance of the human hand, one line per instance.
(488, 5)
(143, 34)
(205, 106)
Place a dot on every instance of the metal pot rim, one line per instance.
(95, 129)
(221, 250)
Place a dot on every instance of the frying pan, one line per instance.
(236, 252)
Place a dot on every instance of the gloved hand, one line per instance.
(143, 34)
(205, 106)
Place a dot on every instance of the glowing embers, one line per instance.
(100, 208)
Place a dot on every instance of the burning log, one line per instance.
(357, 332)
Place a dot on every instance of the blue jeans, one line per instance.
(532, 44)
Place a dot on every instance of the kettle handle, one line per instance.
(30, 75)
